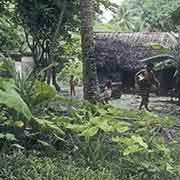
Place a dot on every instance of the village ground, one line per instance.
(159, 105)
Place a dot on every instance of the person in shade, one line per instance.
(108, 90)
(145, 78)
(176, 79)
(72, 86)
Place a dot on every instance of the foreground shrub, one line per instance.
(136, 144)
(18, 167)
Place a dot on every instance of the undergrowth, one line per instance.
(46, 136)
(36, 167)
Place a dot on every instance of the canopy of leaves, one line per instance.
(11, 35)
(73, 60)
(176, 18)
(41, 17)
(145, 15)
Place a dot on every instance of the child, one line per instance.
(72, 86)
(108, 90)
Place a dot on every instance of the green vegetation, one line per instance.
(37, 167)
(44, 135)
(141, 15)
(73, 61)
(60, 136)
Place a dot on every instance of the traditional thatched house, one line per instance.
(118, 55)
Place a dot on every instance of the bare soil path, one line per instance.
(158, 105)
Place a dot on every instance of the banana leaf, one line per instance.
(165, 65)
(12, 99)
(158, 46)
(157, 59)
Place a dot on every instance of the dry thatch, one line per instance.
(118, 54)
(123, 50)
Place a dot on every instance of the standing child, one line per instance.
(72, 86)
(108, 90)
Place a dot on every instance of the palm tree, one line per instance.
(88, 47)
(126, 19)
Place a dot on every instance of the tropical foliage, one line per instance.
(94, 136)
(73, 61)
(38, 167)
(47, 136)
(141, 15)
(72, 67)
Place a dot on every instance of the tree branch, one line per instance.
(27, 40)
(58, 28)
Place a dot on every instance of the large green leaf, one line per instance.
(120, 126)
(44, 143)
(165, 65)
(89, 132)
(2, 136)
(44, 92)
(158, 59)
(19, 124)
(158, 46)
(138, 139)
(10, 98)
(123, 140)
(101, 123)
(78, 128)
(169, 168)
(48, 125)
(134, 148)
(8, 136)
(133, 144)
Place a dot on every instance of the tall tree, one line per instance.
(125, 19)
(46, 25)
(145, 15)
(88, 47)
(11, 40)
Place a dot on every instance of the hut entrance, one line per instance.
(166, 79)
(127, 79)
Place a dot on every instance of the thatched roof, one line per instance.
(116, 51)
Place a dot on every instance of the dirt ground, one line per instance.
(158, 105)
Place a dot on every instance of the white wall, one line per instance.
(25, 64)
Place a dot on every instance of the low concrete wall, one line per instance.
(25, 64)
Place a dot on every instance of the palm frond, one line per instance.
(158, 59)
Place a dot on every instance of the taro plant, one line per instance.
(141, 138)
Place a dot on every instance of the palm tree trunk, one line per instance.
(88, 47)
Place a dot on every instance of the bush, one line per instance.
(73, 65)
(133, 144)
(36, 167)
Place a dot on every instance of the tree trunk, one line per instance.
(88, 47)
(53, 45)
